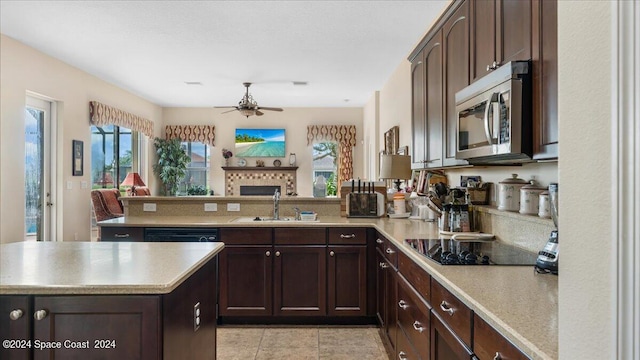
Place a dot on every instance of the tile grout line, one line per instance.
(259, 344)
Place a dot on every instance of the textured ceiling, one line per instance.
(343, 49)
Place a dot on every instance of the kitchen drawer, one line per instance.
(452, 311)
(414, 318)
(347, 236)
(380, 241)
(108, 233)
(404, 350)
(489, 344)
(415, 275)
(387, 249)
(300, 236)
(246, 236)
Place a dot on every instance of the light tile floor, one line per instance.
(299, 343)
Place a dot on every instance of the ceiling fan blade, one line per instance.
(270, 108)
(259, 113)
(235, 109)
(225, 107)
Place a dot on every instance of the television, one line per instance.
(260, 143)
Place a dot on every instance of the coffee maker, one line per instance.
(547, 261)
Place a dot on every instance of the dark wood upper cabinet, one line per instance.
(418, 117)
(456, 76)
(545, 80)
(347, 280)
(500, 32)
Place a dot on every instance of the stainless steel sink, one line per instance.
(266, 219)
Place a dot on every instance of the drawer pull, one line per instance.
(389, 251)
(343, 236)
(402, 355)
(403, 304)
(40, 314)
(445, 307)
(268, 253)
(121, 235)
(16, 314)
(383, 265)
(277, 253)
(332, 253)
(379, 241)
(497, 357)
(418, 327)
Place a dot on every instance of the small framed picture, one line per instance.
(77, 162)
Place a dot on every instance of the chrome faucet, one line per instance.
(276, 205)
(297, 216)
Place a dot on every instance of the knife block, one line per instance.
(345, 190)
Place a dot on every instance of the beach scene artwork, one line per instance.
(260, 143)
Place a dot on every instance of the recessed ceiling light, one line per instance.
(193, 83)
(300, 83)
(346, 100)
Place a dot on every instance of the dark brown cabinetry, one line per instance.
(108, 233)
(450, 309)
(500, 32)
(427, 113)
(115, 326)
(456, 77)
(300, 281)
(413, 319)
(387, 288)
(347, 280)
(445, 345)
(489, 344)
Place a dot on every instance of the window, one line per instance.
(325, 163)
(114, 153)
(197, 170)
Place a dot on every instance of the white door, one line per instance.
(39, 170)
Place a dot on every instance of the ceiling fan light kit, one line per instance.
(247, 106)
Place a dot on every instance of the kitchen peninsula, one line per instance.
(108, 300)
(520, 304)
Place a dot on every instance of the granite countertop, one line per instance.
(519, 303)
(90, 268)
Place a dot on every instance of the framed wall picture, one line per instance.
(78, 157)
(392, 140)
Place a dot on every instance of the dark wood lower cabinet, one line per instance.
(300, 281)
(115, 326)
(391, 303)
(489, 344)
(445, 345)
(347, 282)
(246, 284)
(404, 349)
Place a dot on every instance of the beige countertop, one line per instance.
(90, 268)
(519, 303)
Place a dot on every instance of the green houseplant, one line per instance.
(172, 164)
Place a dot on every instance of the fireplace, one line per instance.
(250, 190)
(246, 181)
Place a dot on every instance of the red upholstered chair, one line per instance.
(106, 204)
(141, 191)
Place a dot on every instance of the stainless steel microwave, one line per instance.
(494, 117)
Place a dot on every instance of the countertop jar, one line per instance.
(529, 198)
(509, 193)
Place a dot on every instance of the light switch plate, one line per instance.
(210, 207)
(233, 207)
(69, 185)
(84, 184)
(149, 207)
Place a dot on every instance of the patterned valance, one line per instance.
(342, 134)
(101, 115)
(194, 133)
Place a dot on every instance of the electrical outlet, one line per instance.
(149, 207)
(233, 207)
(210, 207)
(84, 184)
(196, 316)
(69, 185)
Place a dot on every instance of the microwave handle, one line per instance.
(488, 123)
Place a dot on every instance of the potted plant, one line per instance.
(172, 164)
(197, 190)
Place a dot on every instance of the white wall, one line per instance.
(395, 104)
(587, 267)
(293, 120)
(371, 130)
(22, 70)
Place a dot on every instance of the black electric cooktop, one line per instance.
(454, 252)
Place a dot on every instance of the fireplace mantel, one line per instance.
(282, 176)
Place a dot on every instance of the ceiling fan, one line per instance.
(247, 106)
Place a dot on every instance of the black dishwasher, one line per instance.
(181, 234)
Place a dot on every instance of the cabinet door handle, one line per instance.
(40, 314)
(383, 265)
(497, 357)
(403, 304)
(277, 253)
(445, 307)
(389, 251)
(121, 235)
(417, 326)
(268, 253)
(16, 314)
(343, 236)
(402, 355)
(379, 241)
(332, 253)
